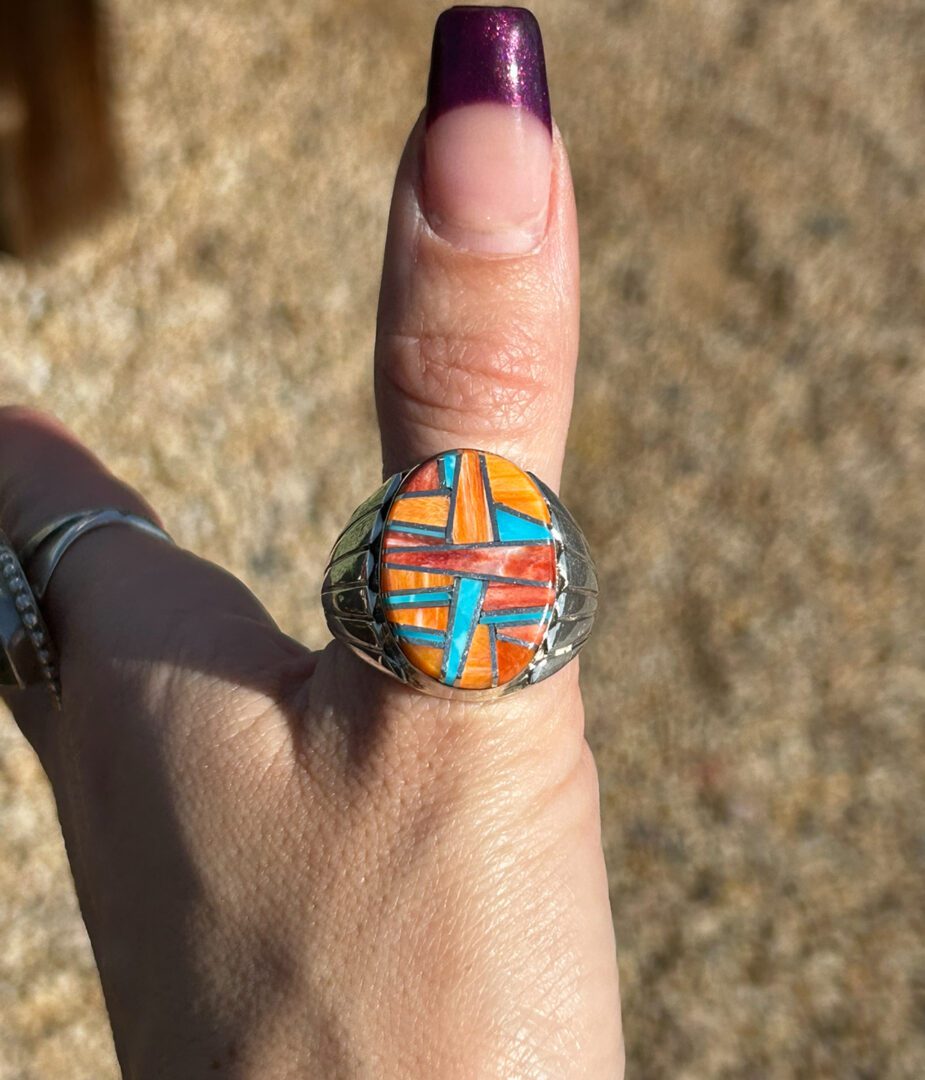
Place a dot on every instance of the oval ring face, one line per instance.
(467, 569)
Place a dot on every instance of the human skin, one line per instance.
(288, 864)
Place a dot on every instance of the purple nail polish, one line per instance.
(492, 54)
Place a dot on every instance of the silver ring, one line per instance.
(27, 652)
(462, 577)
(43, 551)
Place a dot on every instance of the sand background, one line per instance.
(747, 456)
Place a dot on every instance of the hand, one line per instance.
(288, 864)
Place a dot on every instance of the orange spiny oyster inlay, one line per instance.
(467, 569)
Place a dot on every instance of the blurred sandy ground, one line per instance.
(748, 457)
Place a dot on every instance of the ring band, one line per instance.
(27, 652)
(463, 576)
(43, 551)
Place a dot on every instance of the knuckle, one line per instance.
(13, 417)
(468, 381)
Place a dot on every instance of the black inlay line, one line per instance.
(493, 645)
(470, 633)
(394, 543)
(431, 493)
(489, 498)
(395, 546)
(516, 641)
(482, 546)
(526, 517)
(523, 610)
(451, 614)
(461, 574)
(404, 526)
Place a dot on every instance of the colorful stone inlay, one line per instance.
(467, 569)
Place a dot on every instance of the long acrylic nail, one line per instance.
(488, 141)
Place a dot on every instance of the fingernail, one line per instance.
(488, 141)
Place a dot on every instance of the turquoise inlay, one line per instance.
(418, 636)
(437, 596)
(448, 469)
(512, 527)
(533, 615)
(417, 530)
(468, 599)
